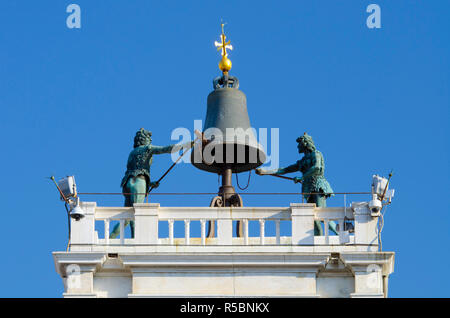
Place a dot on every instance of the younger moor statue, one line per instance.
(136, 182)
(315, 187)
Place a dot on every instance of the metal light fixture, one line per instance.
(379, 185)
(67, 187)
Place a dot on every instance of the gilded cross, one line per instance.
(223, 45)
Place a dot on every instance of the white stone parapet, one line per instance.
(298, 265)
(84, 236)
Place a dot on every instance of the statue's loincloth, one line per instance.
(316, 184)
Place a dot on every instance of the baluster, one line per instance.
(341, 225)
(203, 225)
(170, 231)
(261, 231)
(325, 223)
(345, 206)
(277, 231)
(245, 221)
(122, 232)
(187, 232)
(106, 231)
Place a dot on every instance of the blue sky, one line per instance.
(373, 100)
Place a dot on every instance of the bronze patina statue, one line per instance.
(315, 187)
(136, 182)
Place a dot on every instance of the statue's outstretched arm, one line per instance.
(156, 150)
(280, 171)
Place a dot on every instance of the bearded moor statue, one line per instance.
(136, 182)
(315, 187)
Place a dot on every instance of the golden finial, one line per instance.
(225, 63)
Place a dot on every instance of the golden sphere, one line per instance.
(225, 64)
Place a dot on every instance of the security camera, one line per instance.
(76, 211)
(375, 206)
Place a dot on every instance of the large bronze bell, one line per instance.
(231, 140)
(229, 143)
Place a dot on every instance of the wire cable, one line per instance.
(214, 193)
(380, 226)
(248, 181)
(68, 223)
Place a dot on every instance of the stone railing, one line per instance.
(300, 217)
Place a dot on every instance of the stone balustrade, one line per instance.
(277, 255)
(150, 217)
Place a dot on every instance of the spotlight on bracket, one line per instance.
(67, 187)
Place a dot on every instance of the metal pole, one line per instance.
(173, 165)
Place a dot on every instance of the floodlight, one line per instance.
(379, 185)
(68, 187)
